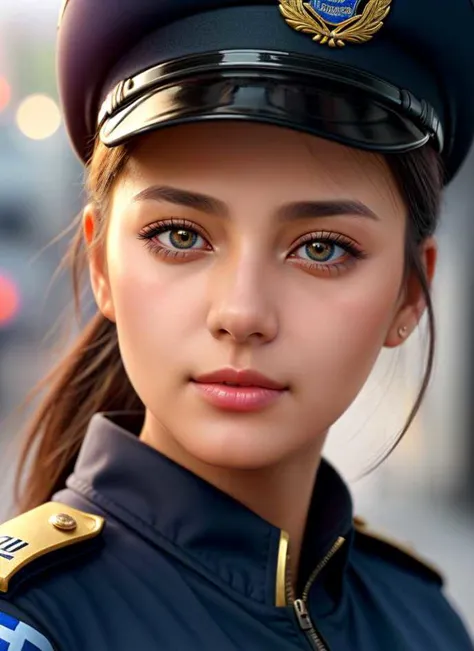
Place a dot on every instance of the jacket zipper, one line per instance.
(300, 606)
(307, 626)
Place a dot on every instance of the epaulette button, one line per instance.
(63, 522)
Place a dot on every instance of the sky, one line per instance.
(18, 5)
(27, 10)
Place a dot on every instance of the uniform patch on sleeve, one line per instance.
(18, 636)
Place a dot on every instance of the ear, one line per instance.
(97, 263)
(412, 303)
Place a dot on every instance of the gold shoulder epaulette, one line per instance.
(38, 532)
(405, 550)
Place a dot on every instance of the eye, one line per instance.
(180, 238)
(327, 252)
(320, 251)
(175, 238)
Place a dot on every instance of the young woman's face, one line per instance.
(239, 246)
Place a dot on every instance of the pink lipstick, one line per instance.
(239, 390)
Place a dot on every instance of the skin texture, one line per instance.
(249, 296)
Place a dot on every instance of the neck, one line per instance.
(280, 494)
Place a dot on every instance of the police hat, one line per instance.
(380, 75)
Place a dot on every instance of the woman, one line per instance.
(249, 262)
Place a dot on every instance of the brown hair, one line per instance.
(91, 377)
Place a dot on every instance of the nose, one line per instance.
(243, 306)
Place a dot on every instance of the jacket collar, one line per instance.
(203, 526)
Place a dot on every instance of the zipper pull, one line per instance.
(304, 620)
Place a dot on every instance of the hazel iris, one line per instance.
(182, 239)
(320, 251)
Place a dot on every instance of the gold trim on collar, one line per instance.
(39, 532)
(281, 574)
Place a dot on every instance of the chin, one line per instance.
(239, 450)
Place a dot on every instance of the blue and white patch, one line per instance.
(335, 11)
(18, 636)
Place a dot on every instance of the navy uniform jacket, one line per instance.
(181, 566)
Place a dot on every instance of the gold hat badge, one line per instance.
(336, 22)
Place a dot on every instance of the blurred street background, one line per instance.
(423, 495)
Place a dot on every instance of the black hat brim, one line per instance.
(327, 100)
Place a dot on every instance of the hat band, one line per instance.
(317, 96)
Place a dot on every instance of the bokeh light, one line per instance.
(9, 300)
(38, 117)
(5, 93)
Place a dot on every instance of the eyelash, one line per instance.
(354, 251)
(149, 234)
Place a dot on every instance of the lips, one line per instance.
(239, 391)
(240, 378)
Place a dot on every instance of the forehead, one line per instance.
(286, 163)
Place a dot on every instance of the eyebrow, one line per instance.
(328, 208)
(196, 200)
(291, 212)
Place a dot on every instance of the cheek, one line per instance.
(154, 311)
(341, 326)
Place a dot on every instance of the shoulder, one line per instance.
(400, 555)
(34, 538)
(398, 579)
(51, 536)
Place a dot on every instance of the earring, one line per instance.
(402, 332)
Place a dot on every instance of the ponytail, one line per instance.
(89, 379)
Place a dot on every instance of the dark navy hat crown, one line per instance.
(392, 82)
